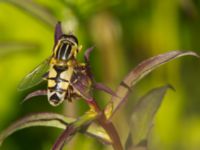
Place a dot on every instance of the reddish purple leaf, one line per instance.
(140, 72)
(51, 120)
(38, 119)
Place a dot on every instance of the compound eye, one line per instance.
(70, 37)
(74, 39)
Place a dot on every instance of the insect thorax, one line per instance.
(66, 48)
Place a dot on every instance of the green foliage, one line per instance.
(123, 33)
(141, 119)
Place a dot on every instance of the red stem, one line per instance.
(107, 125)
(65, 136)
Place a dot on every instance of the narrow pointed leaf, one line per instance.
(49, 120)
(140, 72)
(143, 115)
(39, 119)
(137, 148)
(129, 145)
(100, 133)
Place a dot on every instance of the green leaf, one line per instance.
(100, 133)
(35, 10)
(137, 74)
(52, 120)
(129, 145)
(143, 115)
(39, 119)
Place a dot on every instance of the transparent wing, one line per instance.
(35, 77)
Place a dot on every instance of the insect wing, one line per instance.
(36, 76)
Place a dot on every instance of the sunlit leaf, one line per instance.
(138, 73)
(137, 148)
(34, 10)
(129, 145)
(40, 119)
(100, 133)
(50, 120)
(143, 115)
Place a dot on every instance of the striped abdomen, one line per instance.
(58, 83)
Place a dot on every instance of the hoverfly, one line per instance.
(66, 77)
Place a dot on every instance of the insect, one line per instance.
(66, 77)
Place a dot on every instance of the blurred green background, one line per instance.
(124, 32)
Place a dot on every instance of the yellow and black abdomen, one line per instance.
(58, 83)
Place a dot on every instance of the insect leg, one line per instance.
(87, 54)
(35, 93)
(104, 88)
(45, 76)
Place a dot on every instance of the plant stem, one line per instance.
(107, 125)
(64, 137)
(112, 132)
(73, 128)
